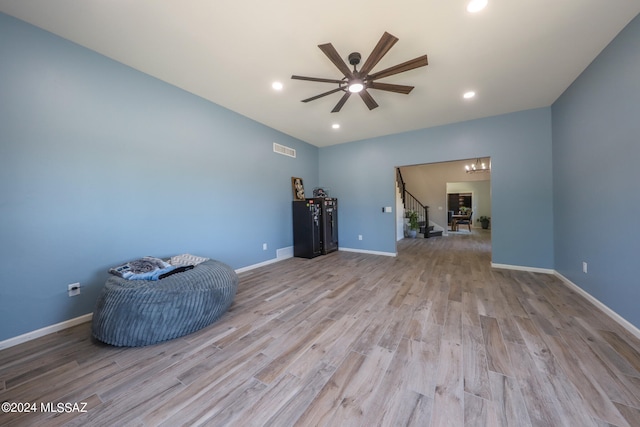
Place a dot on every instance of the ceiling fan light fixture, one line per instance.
(469, 95)
(277, 85)
(476, 5)
(355, 86)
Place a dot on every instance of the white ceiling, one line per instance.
(516, 54)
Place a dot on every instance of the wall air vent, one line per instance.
(286, 151)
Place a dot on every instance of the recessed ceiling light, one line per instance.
(469, 95)
(476, 5)
(335, 126)
(277, 86)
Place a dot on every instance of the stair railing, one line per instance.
(400, 183)
(412, 203)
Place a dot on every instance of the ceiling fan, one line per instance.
(359, 81)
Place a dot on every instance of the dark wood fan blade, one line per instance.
(368, 99)
(391, 87)
(340, 103)
(384, 44)
(334, 56)
(317, 79)
(322, 94)
(420, 61)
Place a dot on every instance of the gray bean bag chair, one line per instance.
(135, 313)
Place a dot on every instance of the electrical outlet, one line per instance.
(73, 289)
(264, 246)
(584, 267)
(359, 236)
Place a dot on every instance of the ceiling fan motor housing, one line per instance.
(354, 58)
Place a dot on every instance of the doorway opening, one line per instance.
(445, 188)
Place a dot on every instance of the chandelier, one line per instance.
(478, 166)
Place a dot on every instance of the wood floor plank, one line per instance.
(321, 409)
(452, 328)
(605, 352)
(419, 321)
(414, 296)
(361, 388)
(421, 364)
(272, 401)
(432, 337)
(329, 348)
(542, 406)
(448, 406)
(410, 409)
(395, 330)
(596, 399)
(293, 408)
(616, 388)
(475, 371)
(497, 356)
(631, 414)
(234, 405)
(541, 321)
(383, 407)
(509, 292)
(375, 329)
(470, 314)
(203, 398)
(439, 307)
(569, 401)
(508, 400)
(480, 412)
(509, 328)
(541, 355)
(485, 305)
(292, 350)
(632, 383)
(623, 348)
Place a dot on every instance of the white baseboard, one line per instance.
(364, 251)
(260, 264)
(45, 331)
(609, 312)
(281, 254)
(523, 268)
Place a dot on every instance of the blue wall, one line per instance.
(100, 164)
(362, 176)
(596, 154)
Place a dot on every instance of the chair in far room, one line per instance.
(465, 221)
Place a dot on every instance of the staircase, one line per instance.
(410, 202)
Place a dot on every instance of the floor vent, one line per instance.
(286, 151)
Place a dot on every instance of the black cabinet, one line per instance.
(315, 227)
(329, 225)
(458, 200)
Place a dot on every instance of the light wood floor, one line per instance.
(433, 337)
